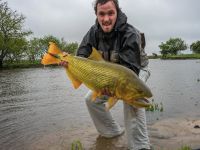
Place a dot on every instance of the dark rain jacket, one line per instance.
(121, 46)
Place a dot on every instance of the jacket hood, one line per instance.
(121, 20)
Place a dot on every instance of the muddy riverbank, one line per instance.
(167, 134)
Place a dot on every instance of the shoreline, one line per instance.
(37, 64)
(171, 133)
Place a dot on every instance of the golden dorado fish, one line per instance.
(98, 75)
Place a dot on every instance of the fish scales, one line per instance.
(99, 75)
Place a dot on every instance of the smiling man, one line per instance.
(119, 43)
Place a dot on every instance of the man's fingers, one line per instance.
(65, 54)
(105, 91)
(63, 63)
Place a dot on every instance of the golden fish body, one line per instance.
(99, 75)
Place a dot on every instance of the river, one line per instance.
(39, 101)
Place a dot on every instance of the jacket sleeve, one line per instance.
(87, 43)
(129, 53)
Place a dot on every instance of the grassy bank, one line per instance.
(22, 64)
(180, 56)
(37, 63)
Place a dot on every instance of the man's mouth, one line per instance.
(107, 24)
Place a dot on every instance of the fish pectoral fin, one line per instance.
(95, 94)
(95, 55)
(110, 103)
(76, 83)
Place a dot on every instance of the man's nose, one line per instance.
(106, 18)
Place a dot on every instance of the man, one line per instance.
(119, 43)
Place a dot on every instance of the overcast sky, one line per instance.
(71, 19)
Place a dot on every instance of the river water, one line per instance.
(36, 102)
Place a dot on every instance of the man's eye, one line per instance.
(101, 14)
(111, 13)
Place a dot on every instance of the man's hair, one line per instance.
(96, 2)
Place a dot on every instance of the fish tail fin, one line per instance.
(52, 56)
(48, 59)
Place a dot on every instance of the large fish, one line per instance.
(99, 75)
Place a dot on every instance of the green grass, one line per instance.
(37, 63)
(21, 64)
(180, 56)
(76, 145)
(185, 148)
(184, 56)
(155, 107)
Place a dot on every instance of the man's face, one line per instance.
(107, 15)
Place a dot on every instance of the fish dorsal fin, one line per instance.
(76, 83)
(96, 55)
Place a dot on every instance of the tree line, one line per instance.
(15, 45)
(175, 45)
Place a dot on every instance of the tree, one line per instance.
(62, 44)
(38, 46)
(69, 47)
(195, 47)
(17, 48)
(72, 47)
(35, 49)
(50, 38)
(11, 32)
(172, 46)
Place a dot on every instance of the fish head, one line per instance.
(133, 88)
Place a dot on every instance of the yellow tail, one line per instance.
(48, 58)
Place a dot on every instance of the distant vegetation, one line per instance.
(195, 47)
(16, 49)
(172, 48)
(179, 56)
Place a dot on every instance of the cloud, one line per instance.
(158, 19)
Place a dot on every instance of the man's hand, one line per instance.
(64, 63)
(106, 91)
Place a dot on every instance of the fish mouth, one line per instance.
(142, 102)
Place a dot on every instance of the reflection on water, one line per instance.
(39, 101)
